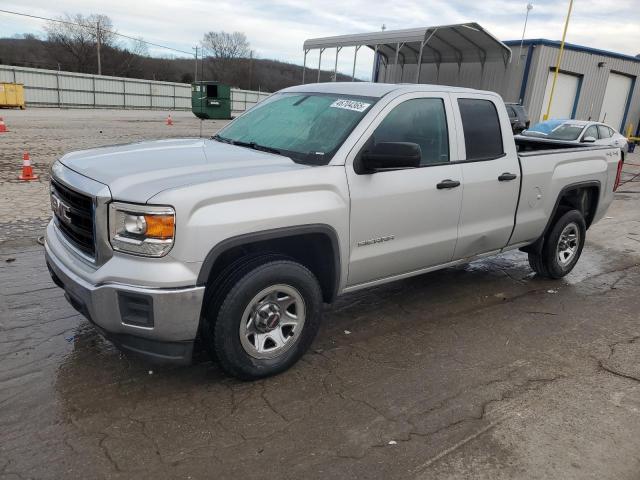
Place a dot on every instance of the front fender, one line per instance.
(211, 213)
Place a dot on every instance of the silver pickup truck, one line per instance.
(319, 190)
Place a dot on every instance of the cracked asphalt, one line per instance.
(481, 371)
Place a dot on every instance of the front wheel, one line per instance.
(267, 320)
(562, 247)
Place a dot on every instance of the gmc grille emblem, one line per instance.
(61, 209)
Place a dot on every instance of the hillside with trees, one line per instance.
(71, 44)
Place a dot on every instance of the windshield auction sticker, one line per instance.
(350, 105)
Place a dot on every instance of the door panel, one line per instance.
(491, 177)
(405, 205)
(564, 96)
(615, 100)
(488, 207)
(400, 220)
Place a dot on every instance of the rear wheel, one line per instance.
(269, 315)
(562, 246)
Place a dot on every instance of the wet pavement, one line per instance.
(480, 371)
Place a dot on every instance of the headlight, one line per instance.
(141, 229)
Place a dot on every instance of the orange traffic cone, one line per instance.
(169, 120)
(3, 126)
(27, 170)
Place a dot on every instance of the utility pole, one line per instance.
(195, 77)
(250, 68)
(555, 73)
(203, 53)
(529, 8)
(98, 46)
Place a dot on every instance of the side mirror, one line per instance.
(389, 156)
(588, 139)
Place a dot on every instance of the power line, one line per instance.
(91, 28)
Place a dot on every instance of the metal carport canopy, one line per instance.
(464, 42)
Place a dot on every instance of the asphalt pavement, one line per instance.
(481, 371)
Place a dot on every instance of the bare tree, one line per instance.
(126, 61)
(75, 37)
(139, 47)
(266, 75)
(226, 45)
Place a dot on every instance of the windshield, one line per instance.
(308, 127)
(556, 130)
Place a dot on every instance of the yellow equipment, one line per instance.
(555, 73)
(630, 136)
(12, 95)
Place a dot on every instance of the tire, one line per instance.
(562, 246)
(535, 262)
(218, 290)
(263, 317)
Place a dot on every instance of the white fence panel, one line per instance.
(110, 86)
(36, 79)
(73, 98)
(75, 84)
(242, 100)
(138, 101)
(162, 90)
(52, 88)
(165, 102)
(113, 100)
(138, 88)
(183, 103)
(6, 76)
(41, 97)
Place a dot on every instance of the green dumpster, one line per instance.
(211, 100)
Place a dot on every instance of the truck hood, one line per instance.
(138, 171)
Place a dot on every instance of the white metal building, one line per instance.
(592, 84)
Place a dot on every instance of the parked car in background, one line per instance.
(578, 132)
(518, 117)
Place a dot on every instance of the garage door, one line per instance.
(564, 97)
(615, 100)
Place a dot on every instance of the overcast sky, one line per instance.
(276, 29)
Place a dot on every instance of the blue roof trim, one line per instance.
(627, 106)
(576, 101)
(571, 46)
(525, 74)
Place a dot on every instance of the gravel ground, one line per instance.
(482, 371)
(47, 134)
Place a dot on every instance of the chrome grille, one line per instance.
(74, 214)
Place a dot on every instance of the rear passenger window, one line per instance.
(604, 131)
(422, 121)
(482, 130)
(592, 131)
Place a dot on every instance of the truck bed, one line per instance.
(532, 144)
(545, 172)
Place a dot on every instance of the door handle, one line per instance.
(448, 183)
(507, 177)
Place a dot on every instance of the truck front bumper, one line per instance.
(157, 323)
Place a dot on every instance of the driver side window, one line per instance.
(422, 121)
(592, 131)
